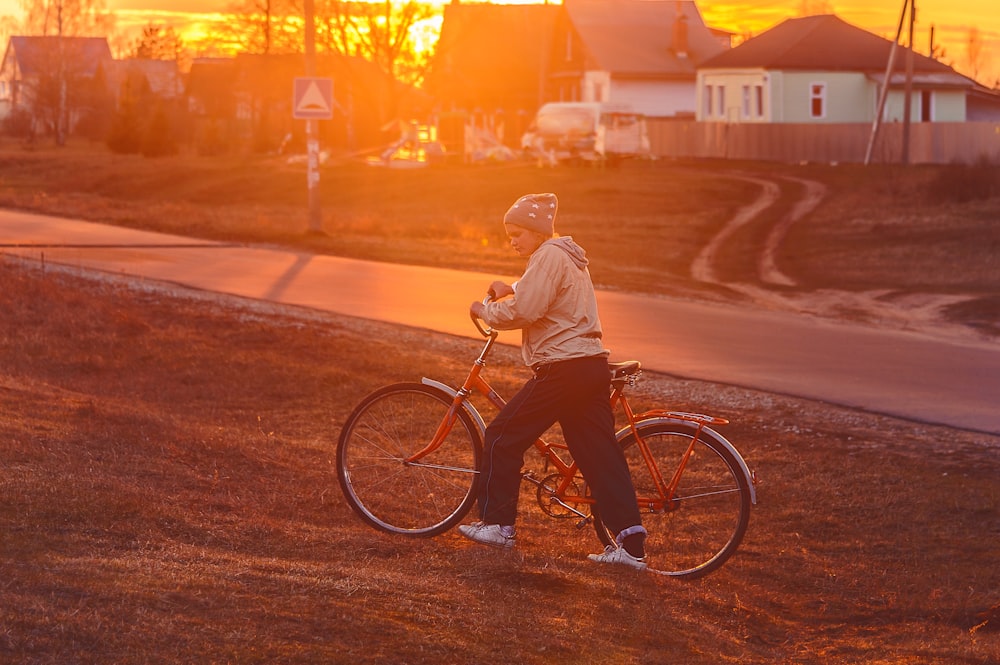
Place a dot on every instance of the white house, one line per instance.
(821, 69)
(642, 53)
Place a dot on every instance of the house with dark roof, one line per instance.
(159, 78)
(821, 69)
(497, 64)
(643, 53)
(491, 57)
(489, 69)
(31, 67)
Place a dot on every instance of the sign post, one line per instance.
(312, 100)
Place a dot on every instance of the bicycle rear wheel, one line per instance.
(421, 498)
(703, 525)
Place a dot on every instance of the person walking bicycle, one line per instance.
(555, 307)
(414, 458)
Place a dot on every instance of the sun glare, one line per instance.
(425, 33)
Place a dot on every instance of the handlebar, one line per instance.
(484, 331)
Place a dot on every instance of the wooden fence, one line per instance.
(930, 142)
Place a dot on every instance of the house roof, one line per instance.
(162, 76)
(494, 55)
(825, 43)
(925, 80)
(643, 37)
(34, 54)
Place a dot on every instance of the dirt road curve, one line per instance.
(766, 265)
(703, 268)
(767, 286)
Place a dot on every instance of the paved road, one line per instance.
(896, 373)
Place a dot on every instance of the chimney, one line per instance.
(680, 41)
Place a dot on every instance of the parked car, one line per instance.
(586, 132)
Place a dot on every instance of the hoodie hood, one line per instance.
(575, 252)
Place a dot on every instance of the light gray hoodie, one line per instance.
(553, 304)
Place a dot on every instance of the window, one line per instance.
(746, 102)
(758, 91)
(817, 100)
(721, 101)
(707, 101)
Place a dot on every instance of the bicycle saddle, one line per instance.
(623, 369)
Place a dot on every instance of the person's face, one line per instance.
(524, 241)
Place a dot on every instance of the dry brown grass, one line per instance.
(168, 495)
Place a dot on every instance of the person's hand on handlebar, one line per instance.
(499, 290)
(496, 291)
(476, 310)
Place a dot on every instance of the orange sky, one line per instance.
(952, 20)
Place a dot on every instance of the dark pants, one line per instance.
(575, 393)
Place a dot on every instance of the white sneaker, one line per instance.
(493, 535)
(619, 555)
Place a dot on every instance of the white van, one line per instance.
(586, 132)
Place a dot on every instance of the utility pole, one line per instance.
(312, 127)
(908, 88)
(884, 92)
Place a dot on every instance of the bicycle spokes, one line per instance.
(390, 475)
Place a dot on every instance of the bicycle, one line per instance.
(408, 459)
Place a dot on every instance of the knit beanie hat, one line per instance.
(536, 212)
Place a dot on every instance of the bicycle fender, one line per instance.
(469, 408)
(705, 431)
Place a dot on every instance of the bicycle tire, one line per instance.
(711, 509)
(422, 499)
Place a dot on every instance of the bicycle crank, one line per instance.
(551, 504)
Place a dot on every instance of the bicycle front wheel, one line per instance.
(424, 497)
(703, 524)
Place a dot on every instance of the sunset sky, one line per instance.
(952, 20)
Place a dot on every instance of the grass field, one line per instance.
(167, 492)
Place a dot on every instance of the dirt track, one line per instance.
(766, 285)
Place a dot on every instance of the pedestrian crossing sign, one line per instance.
(312, 98)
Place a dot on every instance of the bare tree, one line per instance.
(974, 51)
(264, 27)
(66, 18)
(381, 32)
